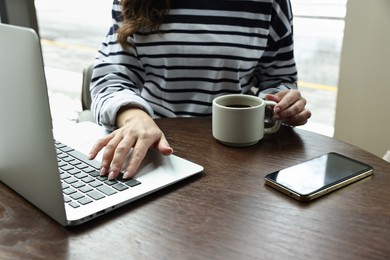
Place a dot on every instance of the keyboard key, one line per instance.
(78, 185)
(93, 173)
(73, 171)
(69, 191)
(77, 195)
(70, 180)
(81, 175)
(85, 189)
(89, 169)
(81, 166)
(102, 178)
(87, 179)
(75, 162)
(74, 204)
(132, 182)
(95, 195)
(64, 176)
(66, 167)
(95, 183)
(65, 148)
(59, 145)
(84, 201)
(106, 190)
(68, 159)
(120, 186)
(62, 155)
(111, 182)
(61, 164)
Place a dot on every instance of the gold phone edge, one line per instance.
(312, 196)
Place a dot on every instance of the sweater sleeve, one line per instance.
(117, 78)
(276, 68)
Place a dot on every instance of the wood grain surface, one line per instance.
(226, 212)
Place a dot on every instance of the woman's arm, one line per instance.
(117, 78)
(276, 69)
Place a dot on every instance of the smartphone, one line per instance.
(311, 179)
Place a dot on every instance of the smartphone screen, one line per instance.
(318, 176)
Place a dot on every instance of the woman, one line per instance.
(171, 58)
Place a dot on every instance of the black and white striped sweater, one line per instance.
(204, 49)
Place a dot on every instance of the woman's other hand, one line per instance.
(290, 108)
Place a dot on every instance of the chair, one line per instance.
(86, 114)
(386, 157)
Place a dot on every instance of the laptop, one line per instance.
(48, 172)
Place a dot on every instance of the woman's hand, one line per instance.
(290, 108)
(137, 133)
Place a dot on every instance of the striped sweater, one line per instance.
(204, 49)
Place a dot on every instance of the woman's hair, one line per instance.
(145, 15)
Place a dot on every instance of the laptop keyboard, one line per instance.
(81, 182)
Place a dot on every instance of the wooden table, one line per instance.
(224, 213)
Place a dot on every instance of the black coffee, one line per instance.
(238, 106)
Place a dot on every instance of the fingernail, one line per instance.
(111, 176)
(90, 156)
(103, 171)
(126, 175)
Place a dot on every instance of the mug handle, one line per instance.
(278, 123)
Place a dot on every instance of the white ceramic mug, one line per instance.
(238, 120)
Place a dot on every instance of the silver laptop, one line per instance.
(47, 173)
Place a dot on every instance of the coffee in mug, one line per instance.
(238, 119)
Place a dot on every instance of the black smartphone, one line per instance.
(313, 178)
